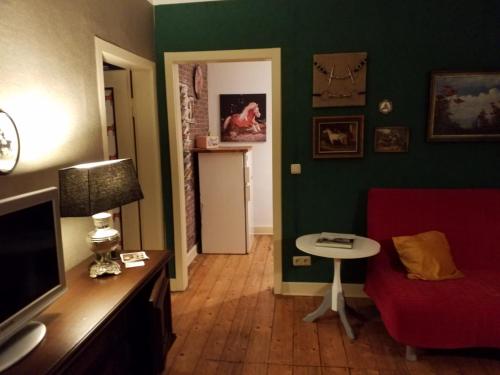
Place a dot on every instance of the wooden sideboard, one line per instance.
(110, 325)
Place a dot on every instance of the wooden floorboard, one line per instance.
(331, 346)
(180, 313)
(219, 333)
(305, 335)
(281, 349)
(229, 321)
(187, 318)
(239, 334)
(260, 335)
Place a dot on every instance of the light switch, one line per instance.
(295, 168)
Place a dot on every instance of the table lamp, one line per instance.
(91, 189)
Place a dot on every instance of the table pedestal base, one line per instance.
(326, 305)
(337, 304)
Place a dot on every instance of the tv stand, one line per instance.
(108, 325)
(21, 344)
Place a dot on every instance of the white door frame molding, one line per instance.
(172, 61)
(146, 133)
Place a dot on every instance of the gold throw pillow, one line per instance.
(427, 256)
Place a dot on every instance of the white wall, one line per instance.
(247, 78)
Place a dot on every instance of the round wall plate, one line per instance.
(9, 143)
(385, 106)
(197, 81)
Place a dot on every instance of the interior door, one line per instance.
(119, 82)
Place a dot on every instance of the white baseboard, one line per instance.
(319, 289)
(262, 230)
(192, 254)
(175, 285)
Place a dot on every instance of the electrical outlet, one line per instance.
(301, 261)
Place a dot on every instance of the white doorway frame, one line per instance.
(172, 61)
(147, 135)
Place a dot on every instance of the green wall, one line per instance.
(404, 43)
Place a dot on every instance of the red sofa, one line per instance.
(438, 314)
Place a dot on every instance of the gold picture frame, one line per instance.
(338, 137)
(464, 107)
(391, 139)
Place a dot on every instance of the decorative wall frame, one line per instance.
(243, 117)
(9, 144)
(339, 79)
(392, 139)
(338, 137)
(198, 81)
(464, 106)
(187, 115)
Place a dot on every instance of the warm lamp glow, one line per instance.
(44, 124)
(96, 164)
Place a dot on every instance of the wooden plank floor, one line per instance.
(229, 322)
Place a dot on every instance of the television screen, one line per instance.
(28, 252)
(32, 275)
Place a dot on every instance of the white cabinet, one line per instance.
(225, 194)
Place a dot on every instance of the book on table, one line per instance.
(341, 240)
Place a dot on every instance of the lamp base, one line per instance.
(104, 265)
(103, 240)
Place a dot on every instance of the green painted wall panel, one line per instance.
(404, 43)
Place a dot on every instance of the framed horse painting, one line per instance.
(243, 117)
(338, 137)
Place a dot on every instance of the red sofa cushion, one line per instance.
(438, 314)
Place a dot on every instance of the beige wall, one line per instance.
(48, 85)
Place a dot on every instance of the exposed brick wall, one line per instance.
(198, 127)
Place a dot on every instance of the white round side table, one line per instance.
(334, 298)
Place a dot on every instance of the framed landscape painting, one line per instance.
(338, 137)
(464, 106)
(392, 139)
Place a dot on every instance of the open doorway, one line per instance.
(172, 62)
(122, 144)
(139, 139)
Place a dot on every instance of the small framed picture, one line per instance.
(338, 137)
(464, 106)
(133, 257)
(392, 139)
(9, 144)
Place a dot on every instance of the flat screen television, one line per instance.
(32, 274)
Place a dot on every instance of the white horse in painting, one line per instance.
(335, 137)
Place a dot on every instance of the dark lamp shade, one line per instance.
(87, 189)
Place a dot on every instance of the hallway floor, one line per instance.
(229, 322)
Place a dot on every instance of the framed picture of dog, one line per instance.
(338, 137)
(243, 117)
(392, 139)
